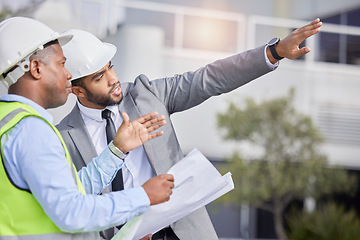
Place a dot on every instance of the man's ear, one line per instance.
(78, 91)
(35, 70)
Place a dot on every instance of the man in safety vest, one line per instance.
(41, 194)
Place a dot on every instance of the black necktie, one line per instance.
(117, 184)
(110, 127)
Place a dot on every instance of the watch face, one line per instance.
(273, 41)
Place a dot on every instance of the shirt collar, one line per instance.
(95, 114)
(17, 98)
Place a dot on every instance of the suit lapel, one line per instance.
(128, 106)
(80, 136)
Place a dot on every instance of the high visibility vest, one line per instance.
(21, 216)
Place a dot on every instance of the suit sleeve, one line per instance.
(189, 89)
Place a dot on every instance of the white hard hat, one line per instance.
(20, 37)
(86, 54)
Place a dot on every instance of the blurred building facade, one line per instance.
(162, 38)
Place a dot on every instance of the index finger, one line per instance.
(153, 121)
(146, 117)
(300, 34)
(312, 27)
(168, 177)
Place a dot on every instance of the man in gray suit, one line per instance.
(97, 87)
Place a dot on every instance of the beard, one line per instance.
(103, 100)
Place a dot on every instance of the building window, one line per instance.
(341, 48)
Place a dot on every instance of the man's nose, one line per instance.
(112, 79)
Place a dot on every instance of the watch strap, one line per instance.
(115, 150)
(274, 53)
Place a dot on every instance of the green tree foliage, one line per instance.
(4, 13)
(288, 164)
(329, 222)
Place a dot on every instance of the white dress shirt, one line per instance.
(136, 168)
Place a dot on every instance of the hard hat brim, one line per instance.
(106, 56)
(63, 39)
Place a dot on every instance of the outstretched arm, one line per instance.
(131, 135)
(289, 46)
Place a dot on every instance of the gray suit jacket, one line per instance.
(167, 96)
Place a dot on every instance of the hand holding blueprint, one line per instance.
(197, 183)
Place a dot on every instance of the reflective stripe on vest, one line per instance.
(10, 116)
(21, 216)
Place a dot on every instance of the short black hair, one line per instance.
(43, 54)
(78, 82)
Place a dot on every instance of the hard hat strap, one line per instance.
(13, 76)
(18, 72)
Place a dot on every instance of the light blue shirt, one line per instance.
(35, 160)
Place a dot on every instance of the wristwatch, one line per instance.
(272, 43)
(117, 151)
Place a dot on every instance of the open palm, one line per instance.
(131, 135)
